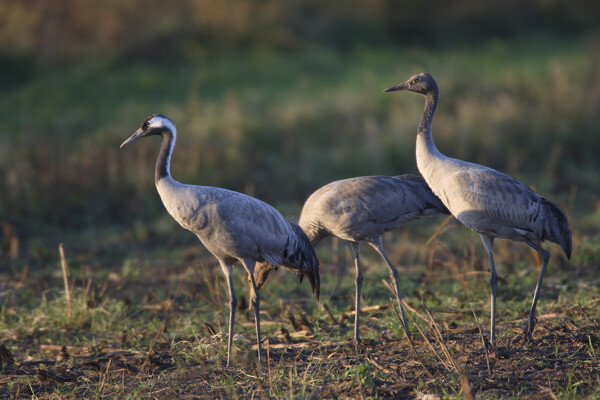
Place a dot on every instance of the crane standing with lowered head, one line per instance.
(232, 226)
(362, 209)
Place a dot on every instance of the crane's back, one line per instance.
(365, 207)
(228, 223)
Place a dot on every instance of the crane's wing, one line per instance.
(244, 227)
(364, 207)
(251, 228)
(489, 201)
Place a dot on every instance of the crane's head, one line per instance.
(421, 83)
(156, 124)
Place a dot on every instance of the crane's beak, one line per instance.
(136, 135)
(400, 86)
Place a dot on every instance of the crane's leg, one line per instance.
(545, 256)
(378, 246)
(228, 270)
(358, 283)
(254, 299)
(488, 243)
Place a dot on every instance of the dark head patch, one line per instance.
(146, 122)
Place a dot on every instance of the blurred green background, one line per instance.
(276, 98)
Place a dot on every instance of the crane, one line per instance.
(362, 209)
(232, 226)
(487, 201)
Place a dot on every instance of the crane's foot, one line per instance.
(528, 327)
(490, 346)
(520, 337)
(527, 331)
(358, 345)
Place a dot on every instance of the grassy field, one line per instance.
(262, 120)
(148, 315)
(154, 327)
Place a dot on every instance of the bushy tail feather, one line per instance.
(299, 257)
(305, 259)
(557, 228)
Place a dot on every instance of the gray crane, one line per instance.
(489, 202)
(232, 226)
(362, 209)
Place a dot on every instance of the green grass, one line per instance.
(261, 119)
(278, 126)
(144, 295)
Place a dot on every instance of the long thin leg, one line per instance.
(228, 270)
(378, 246)
(488, 243)
(358, 283)
(545, 256)
(254, 300)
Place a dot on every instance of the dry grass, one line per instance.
(561, 360)
(155, 329)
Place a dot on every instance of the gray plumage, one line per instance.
(232, 226)
(362, 209)
(489, 202)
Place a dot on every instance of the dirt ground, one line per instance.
(560, 359)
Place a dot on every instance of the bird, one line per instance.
(491, 203)
(232, 226)
(362, 209)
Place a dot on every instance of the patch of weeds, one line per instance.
(569, 391)
(19, 381)
(595, 394)
(588, 252)
(130, 269)
(364, 372)
(212, 349)
(592, 350)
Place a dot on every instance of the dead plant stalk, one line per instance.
(487, 358)
(269, 370)
(435, 328)
(65, 271)
(412, 347)
(425, 337)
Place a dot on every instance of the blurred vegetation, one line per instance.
(276, 98)
(135, 28)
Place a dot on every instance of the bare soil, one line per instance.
(559, 356)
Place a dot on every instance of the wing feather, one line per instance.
(489, 201)
(365, 207)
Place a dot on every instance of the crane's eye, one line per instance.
(145, 125)
(415, 81)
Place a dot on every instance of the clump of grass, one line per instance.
(50, 313)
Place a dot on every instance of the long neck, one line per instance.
(164, 156)
(428, 156)
(431, 101)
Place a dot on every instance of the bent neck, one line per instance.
(163, 168)
(314, 231)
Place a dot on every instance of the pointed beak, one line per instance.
(136, 135)
(400, 86)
